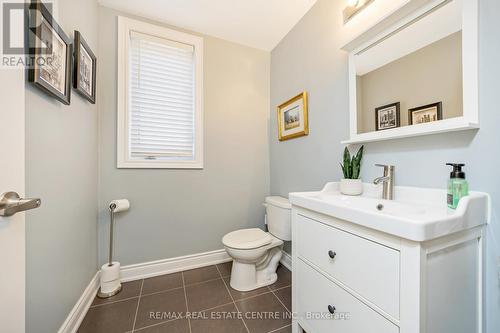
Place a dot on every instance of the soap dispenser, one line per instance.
(457, 185)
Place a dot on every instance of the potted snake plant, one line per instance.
(351, 184)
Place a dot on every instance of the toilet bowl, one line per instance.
(255, 253)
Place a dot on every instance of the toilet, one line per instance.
(256, 254)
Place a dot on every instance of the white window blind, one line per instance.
(161, 99)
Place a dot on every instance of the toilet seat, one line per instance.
(246, 239)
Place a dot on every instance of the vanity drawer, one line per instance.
(368, 268)
(316, 293)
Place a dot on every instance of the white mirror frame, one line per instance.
(470, 72)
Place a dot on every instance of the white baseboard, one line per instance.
(173, 265)
(286, 260)
(81, 307)
(178, 264)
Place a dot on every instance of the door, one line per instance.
(12, 234)
(12, 179)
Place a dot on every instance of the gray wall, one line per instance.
(61, 168)
(429, 75)
(180, 212)
(309, 58)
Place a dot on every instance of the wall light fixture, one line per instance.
(354, 7)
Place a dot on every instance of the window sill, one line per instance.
(159, 165)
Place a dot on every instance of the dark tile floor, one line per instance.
(198, 300)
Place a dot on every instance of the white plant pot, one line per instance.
(351, 186)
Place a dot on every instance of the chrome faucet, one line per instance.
(388, 180)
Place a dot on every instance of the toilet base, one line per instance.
(246, 276)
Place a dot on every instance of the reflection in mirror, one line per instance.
(412, 73)
(423, 86)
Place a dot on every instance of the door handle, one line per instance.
(11, 203)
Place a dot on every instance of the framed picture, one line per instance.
(292, 118)
(387, 117)
(84, 76)
(425, 114)
(51, 50)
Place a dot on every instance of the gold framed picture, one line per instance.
(292, 118)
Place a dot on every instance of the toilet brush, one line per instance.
(110, 272)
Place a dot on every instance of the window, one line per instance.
(160, 105)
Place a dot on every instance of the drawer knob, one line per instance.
(332, 254)
(331, 309)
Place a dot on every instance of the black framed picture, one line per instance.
(387, 117)
(51, 52)
(426, 113)
(84, 76)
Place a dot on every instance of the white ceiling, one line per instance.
(257, 23)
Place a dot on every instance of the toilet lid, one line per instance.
(246, 239)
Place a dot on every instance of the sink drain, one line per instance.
(380, 207)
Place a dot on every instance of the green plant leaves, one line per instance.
(351, 167)
(356, 163)
(347, 164)
(344, 171)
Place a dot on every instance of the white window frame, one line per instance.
(124, 159)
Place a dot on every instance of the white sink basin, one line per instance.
(417, 214)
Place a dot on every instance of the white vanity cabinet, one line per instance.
(351, 278)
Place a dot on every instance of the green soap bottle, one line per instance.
(457, 185)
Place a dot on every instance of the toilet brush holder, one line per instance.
(110, 272)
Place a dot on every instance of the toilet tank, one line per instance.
(278, 210)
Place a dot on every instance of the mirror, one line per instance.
(411, 78)
(423, 86)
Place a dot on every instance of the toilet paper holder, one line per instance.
(110, 272)
(112, 208)
(115, 206)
